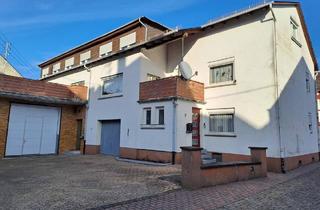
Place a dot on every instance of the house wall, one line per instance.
(68, 79)
(252, 97)
(293, 62)
(6, 68)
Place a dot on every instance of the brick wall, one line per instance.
(171, 87)
(4, 115)
(140, 31)
(68, 127)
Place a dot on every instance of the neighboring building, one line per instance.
(38, 117)
(7, 69)
(254, 87)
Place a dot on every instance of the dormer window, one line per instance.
(105, 49)
(69, 63)
(56, 68)
(85, 57)
(128, 40)
(45, 72)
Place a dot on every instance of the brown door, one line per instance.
(79, 134)
(195, 127)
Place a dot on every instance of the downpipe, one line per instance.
(174, 133)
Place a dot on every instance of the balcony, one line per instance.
(171, 88)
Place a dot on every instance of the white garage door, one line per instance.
(32, 130)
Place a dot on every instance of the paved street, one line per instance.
(299, 189)
(101, 182)
(81, 182)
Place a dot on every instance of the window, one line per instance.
(295, 31)
(222, 73)
(310, 122)
(45, 72)
(128, 40)
(69, 63)
(221, 123)
(147, 116)
(307, 82)
(105, 49)
(56, 67)
(151, 77)
(85, 57)
(112, 84)
(160, 115)
(80, 83)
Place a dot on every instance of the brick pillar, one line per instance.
(259, 154)
(191, 163)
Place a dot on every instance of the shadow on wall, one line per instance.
(296, 111)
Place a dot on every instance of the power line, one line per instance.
(14, 56)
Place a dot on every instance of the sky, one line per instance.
(41, 29)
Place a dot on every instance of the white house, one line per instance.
(254, 85)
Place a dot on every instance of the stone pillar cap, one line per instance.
(262, 148)
(190, 148)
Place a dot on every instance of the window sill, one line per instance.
(152, 126)
(221, 134)
(221, 84)
(110, 96)
(296, 41)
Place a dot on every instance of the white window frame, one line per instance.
(69, 63)
(158, 108)
(128, 40)
(227, 111)
(219, 63)
(152, 77)
(85, 57)
(295, 31)
(45, 72)
(109, 77)
(56, 67)
(105, 49)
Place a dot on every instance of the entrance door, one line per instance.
(195, 127)
(79, 134)
(110, 137)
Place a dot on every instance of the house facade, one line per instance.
(7, 69)
(253, 85)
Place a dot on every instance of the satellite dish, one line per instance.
(185, 70)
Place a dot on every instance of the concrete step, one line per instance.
(206, 156)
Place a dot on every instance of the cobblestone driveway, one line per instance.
(299, 189)
(80, 182)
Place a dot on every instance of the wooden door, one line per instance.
(196, 127)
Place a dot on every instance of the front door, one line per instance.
(195, 127)
(110, 137)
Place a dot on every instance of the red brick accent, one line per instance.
(196, 175)
(149, 155)
(171, 87)
(274, 164)
(92, 149)
(4, 119)
(40, 88)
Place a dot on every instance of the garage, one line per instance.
(110, 137)
(32, 130)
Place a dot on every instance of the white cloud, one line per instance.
(39, 13)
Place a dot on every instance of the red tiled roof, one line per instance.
(26, 88)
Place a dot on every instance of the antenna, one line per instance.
(7, 49)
